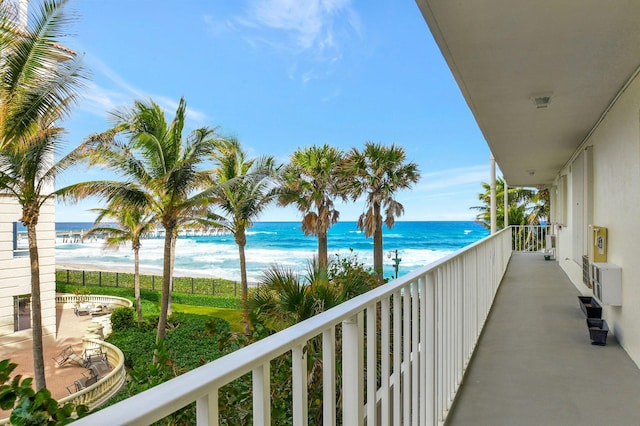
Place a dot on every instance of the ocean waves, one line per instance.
(273, 243)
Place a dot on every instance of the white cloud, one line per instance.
(99, 100)
(309, 26)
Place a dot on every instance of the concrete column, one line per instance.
(492, 162)
(506, 202)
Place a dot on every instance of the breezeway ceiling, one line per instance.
(504, 52)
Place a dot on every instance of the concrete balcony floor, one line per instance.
(534, 364)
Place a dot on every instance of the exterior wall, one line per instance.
(15, 272)
(616, 200)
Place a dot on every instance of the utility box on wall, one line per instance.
(607, 283)
(598, 243)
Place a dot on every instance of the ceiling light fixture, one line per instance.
(541, 100)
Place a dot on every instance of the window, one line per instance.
(22, 312)
(20, 240)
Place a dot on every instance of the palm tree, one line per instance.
(525, 206)
(310, 182)
(38, 87)
(163, 174)
(242, 189)
(379, 172)
(131, 224)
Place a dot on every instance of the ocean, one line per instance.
(269, 243)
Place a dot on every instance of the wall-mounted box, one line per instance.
(607, 283)
(598, 251)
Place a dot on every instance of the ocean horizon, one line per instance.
(419, 243)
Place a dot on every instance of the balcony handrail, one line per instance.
(441, 309)
(530, 238)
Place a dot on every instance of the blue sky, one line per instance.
(282, 74)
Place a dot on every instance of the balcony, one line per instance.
(533, 362)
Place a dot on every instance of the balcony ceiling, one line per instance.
(505, 52)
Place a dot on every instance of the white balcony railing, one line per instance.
(531, 238)
(423, 326)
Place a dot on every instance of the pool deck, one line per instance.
(70, 330)
(534, 363)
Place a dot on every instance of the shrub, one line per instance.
(30, 407)
(136, 344)
(123, 318)
(150, 322)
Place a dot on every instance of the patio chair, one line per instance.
(92, 355)
(82, 309)
(99, 369)
(67, 356)
(82, 383)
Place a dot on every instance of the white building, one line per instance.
(15, 278)
(555, 90)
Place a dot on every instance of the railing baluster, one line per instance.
(372, 382)
(461, 329)
(422, 351)
(262, 395)
(329, 377)
(397, 357)
(429, 348)
(207, 409)
(385, 350)
(415, 358)
(406, 355)
(352, 413)
(299, 372)
(440, 335)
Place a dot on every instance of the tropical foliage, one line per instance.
(29, 407)
(131, 224)
(378, 172)
(285, 297)
(311, 182)
(162, 178)
(242, 189)
(39, 83)
(162, 174)
(525, 206)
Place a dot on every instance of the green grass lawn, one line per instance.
(225, 307)
(232, 316)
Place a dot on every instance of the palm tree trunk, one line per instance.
(36, 309)
(166, 287)
(377, 244)
(245, 285)
(136, 282)
(171, 267)
(323, 257)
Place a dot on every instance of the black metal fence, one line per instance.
(212, 286)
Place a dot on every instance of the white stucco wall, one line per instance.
(616, 203)
(15, 272)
